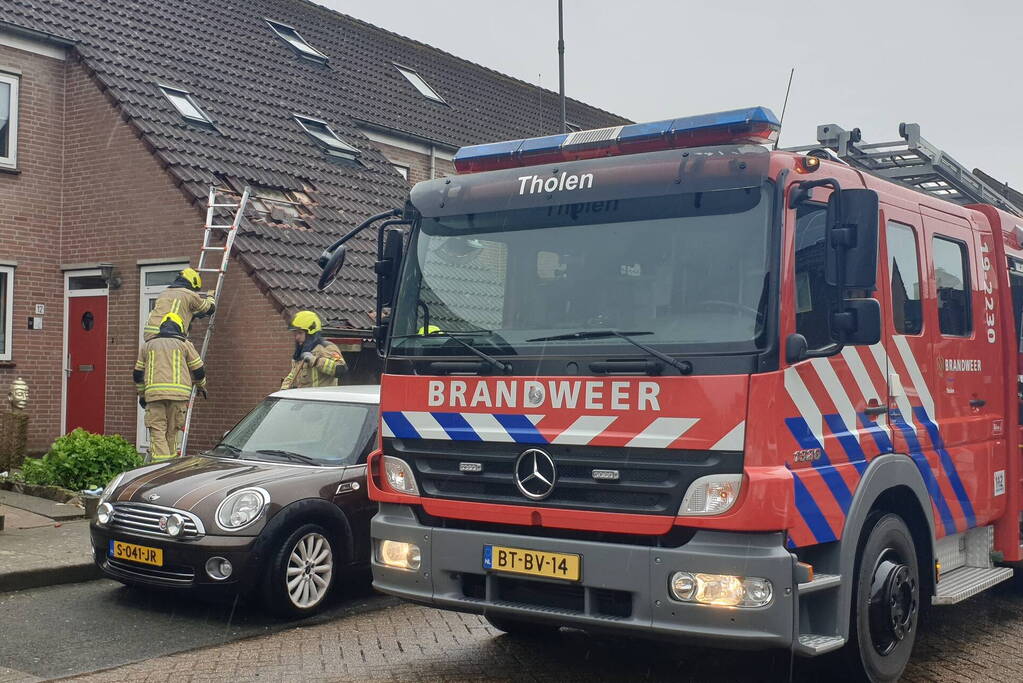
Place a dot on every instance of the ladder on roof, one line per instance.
(213, 259)
(913, 162)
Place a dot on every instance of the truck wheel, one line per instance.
(886, 603)
(301, 572)
(521, 627)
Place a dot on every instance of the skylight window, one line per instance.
(186, 106)
(325, 137)
(420, 83)
(297, 42)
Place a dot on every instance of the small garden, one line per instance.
(79, 461)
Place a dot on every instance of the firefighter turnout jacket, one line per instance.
(326, 366)
(167, 367)
(185, 302)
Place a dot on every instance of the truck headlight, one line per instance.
(711, 495)
(399, 475)
(720, 589)
(241, 508)
(399, 555)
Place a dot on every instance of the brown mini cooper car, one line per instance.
(277, 508)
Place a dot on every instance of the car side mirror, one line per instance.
(858, 322)
(851, 239)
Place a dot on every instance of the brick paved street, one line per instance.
(981, 640)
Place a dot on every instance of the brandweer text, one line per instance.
(569, 394)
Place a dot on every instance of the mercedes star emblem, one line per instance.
(535, 474)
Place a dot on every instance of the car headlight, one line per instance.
(110, 488)
(104, 512)
(175, 524)
(399, 476)
(711, 495)
(241, 508)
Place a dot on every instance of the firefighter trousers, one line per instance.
(164, 419)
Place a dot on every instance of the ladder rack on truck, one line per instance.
(911, 161)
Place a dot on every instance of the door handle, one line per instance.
(875, 410)
(977, 403)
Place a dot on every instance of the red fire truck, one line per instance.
(659, 379)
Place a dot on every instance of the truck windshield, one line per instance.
(689, 272)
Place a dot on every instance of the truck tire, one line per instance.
(301, 572)
(886, 601)
(521, 627)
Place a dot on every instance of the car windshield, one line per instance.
(309, 432)
(689, 272)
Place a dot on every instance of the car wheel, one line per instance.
(521, 627)
(301, 573)
(886, 603)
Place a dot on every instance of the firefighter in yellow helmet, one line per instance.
(316, 361)
(183, 299)
(167, 367)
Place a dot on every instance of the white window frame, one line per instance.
(342, 149)
(419, 83)
(11, 160)
(203, 118)
(7, 353)
(145, 294)
(313, 54)
(402, 169)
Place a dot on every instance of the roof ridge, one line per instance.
(385, 31)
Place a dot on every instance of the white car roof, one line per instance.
(366, 393)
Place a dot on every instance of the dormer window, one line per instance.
(293, 38)
(325, 137)
(186, 106)
(424, 88)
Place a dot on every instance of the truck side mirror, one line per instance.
(858, 322)
(389, 265)
(331, 263)
(851, 239)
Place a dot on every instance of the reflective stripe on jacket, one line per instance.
(166, 369)
(321, 373)
(184, 302)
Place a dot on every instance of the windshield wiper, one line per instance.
(684, 367)
(498, 364)
(297, 457)
(233, 450)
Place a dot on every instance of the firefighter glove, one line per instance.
(142, 401)
(205, 396)
(340, 369)
(308, 357)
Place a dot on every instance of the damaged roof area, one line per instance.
(287, 123)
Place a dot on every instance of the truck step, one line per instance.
(966, 582)
(814, 644)
(820, 582)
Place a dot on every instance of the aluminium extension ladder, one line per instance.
(207, 259)
(912, 162)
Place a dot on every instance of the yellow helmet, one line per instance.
(174, 318)
(306, 321)
(432, 329)
(193, 277)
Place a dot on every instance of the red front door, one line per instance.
(87, 362)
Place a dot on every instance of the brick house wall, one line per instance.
(417, 163)
(29, 227)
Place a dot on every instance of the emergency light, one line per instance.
(757, 125)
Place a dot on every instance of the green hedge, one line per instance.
(81, 460)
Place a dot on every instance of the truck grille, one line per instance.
(141, 518)
(650, 481)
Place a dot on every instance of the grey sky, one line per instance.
(951, 66)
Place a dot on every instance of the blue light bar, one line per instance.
(756, 125)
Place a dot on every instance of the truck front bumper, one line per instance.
(623, 588)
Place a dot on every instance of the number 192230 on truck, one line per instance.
(662, 380)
